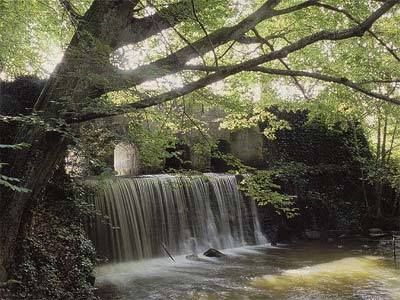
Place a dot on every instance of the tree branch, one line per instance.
(141, 29)
(349, 16)
(177, 60)
(340, 80)
(395, 80)
(272, 48)
(257, 40)
(72, 13)
(322, 77)
(222, 73)
(205, 32)
(71, 10)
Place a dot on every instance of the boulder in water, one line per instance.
(213, 253)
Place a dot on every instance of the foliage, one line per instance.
(56, 259)
(10, 182)
(26, 42)
(319, 163)
(30, 32)
(261, 188)
(236, 165)
(258, 115)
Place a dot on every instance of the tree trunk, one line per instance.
(37, 164)
(378, 138)
(396, 204)
(363, 187)
(34, 165)
(70, 89)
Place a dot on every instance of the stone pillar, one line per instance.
(126, 159)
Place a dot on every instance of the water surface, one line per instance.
(308, 271)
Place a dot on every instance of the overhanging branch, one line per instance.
(322, 77)
(272, 48)
(250, 65)
(176, 61)
(71, 10)
(257, 40)
(340, 80)
(141, 29)
(349, 16)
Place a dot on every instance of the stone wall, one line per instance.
(245, 144)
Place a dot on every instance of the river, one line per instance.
(308, 271)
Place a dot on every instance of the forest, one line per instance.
(137, 134)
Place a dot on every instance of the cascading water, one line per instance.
(187, 214)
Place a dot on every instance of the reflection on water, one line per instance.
(259, 272)
(347, 276)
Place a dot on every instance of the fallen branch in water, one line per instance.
(166, 250)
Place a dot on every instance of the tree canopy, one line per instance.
(196, 43)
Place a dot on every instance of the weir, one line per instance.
(188, 214)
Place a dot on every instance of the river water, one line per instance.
(306, 271)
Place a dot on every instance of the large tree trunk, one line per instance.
(34, 165)
(72, 87)
(37, 164)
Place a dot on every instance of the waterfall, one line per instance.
(187, 214)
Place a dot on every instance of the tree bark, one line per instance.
(68, 90)
(38, 163)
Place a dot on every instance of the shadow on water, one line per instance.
(305, 271)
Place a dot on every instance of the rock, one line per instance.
(213, 253)
(91, 279)
(127, 159)
(313, 234)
